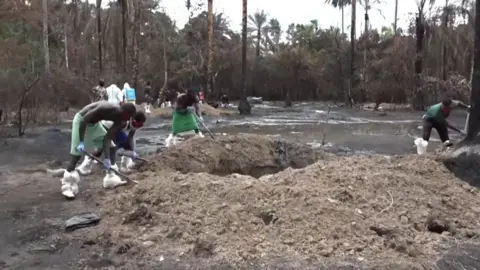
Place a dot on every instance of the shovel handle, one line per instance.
(111, 169)
(205, 127)
(143, 159)
(139, 158)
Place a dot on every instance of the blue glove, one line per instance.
(200, 119)
(107, 164)
(134, 155)
(81, 147)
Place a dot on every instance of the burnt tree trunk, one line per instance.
(124, 35)
(444, 47)
(99, 35)
(244, 106)
(137, 20)
(348, 96)
(474, 119)
(418, 102)
(210, 51)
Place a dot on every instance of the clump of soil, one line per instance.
(369, 208)
(244, 154)
(205, 110)
(464, 162)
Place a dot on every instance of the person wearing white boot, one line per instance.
(184, 119)
(125, 140)
(436, 118)
(148, 97)
(87, 132)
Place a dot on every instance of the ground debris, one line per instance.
(82, 221)
(337, 208)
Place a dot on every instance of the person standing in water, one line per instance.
(436, 117)
(87, 132)
(184, 118)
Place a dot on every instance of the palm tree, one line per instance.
(258, 24)
(273, 35)
(340, 4)
(210, 49)
(348, 95)
(417, 101)
(244, 106)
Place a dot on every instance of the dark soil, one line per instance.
(299, 218)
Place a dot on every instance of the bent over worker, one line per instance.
(436, 117)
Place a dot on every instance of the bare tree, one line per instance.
(99, 35)
(46, 51)
(210, 50)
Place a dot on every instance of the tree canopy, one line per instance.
(135, 41)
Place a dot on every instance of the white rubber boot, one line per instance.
(130, 163)
(200, 134)
(86, 167)
(124, 164)
(111, 180)
(70, 182)
(171, 140)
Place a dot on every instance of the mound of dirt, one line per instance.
(243, 154)
(464, 162)
(371, 209)
(205, 109)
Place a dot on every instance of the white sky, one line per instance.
(301, 11)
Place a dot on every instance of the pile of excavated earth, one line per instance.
(253, 198)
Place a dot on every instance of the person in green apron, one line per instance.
(185, 119)
(124, 139)
(89, 133)
(436, 117)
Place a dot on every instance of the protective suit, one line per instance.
(129, 93)
(114, 94)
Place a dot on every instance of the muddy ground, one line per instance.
(33, 211)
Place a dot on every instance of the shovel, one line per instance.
(111, 169)
(125, 154)
(205, 127)
(466, 123)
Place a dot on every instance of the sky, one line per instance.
(381, 14)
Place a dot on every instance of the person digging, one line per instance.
(89, 133)
(185, 119)
(124, 141)
(436, 117)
